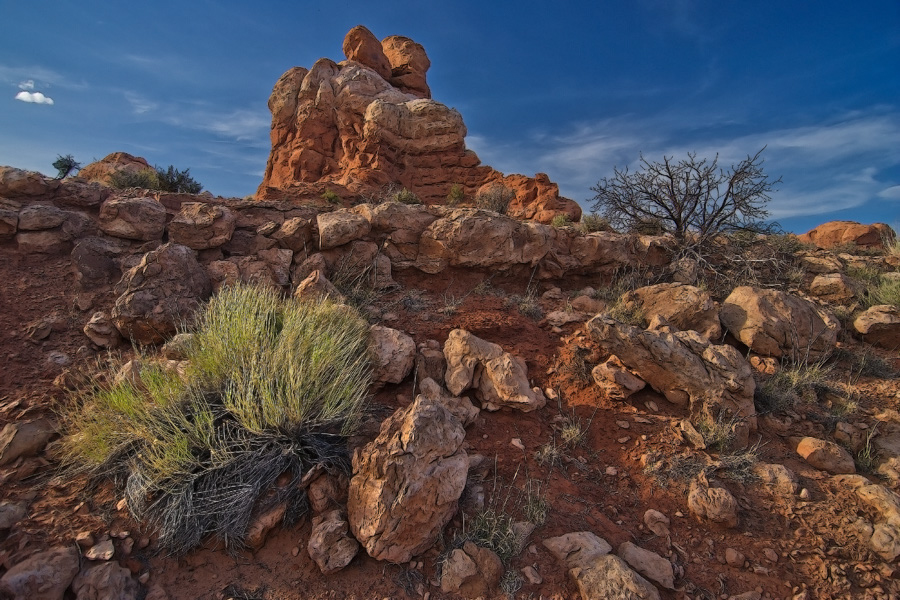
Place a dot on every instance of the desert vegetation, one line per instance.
(164, 179)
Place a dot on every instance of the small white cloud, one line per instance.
(27, 85)
(34, 98)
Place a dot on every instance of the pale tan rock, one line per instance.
(649, 564)
(886, 541)
(52, 241)
(102, 331)
(101, 551)
(108, 581)
(835, 287)
(262, 524)
(609, 578)
(200, 226)
(17, 183)
(141, 219)
(684, 306)
(882, 500)
(38, 217)
(341, 227)
(819, 265)
(316, 287)
(460, 407)
(615, 380)
(398, 227)
(686, 368)
(578, 549)
(24, 439)
(880, 325)
(777, 478)
(330, 544)
(471, 572)
(393, 353)
(295, 234)
(43, 576)
(498, 378)
(826, 456)
(656, 522)
(160, 294)
(406, 483)
(776, 323)
(713, 503)
(474, 238)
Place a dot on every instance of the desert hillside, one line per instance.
(398, 373)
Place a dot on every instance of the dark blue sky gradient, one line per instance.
(572, 89)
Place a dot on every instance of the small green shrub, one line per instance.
(496, 198)
(331, 197)
(885, 291)
(561, 221)
(65, 165)
(593, 222)
(272, 388)
(792, 384)
(158, 178)
(456, 195)
(404, 196)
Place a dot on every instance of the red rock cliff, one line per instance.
(370, 120)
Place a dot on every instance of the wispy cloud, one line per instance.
(27, 85)
(34, 98)
(38, 76)
(242, 125)
(836, 164)
(139, 104)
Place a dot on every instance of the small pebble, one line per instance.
(532, 575)
(127, 546)
(517, 443)
(623, 440)
(770, 555)
(612, 471)
(623, 424)
(144, 577)
(295, 551)
(804, 494)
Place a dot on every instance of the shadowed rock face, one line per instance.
(370, 120)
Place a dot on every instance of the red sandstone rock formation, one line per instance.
(370, 121)
(101, 170)
(836, 233)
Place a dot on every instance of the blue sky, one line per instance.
(572, 89)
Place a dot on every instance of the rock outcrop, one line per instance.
(714, 381)
(779, 324)
(370, 121)
(880, 325)
(43, 576)
(407, 482)
(101, 170)
(837, 233)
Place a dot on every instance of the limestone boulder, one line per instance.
(393, 353)
(107, 581)
(715, 382)
(838, 233)
(460, 407)
(475, 238)
(498, 378)
(778, 479)
(598, 574)
(9, 219)
(160, 294)
(406, 483)
(398, 228)
(200, 226)
(23, 439)
(52, 241)
(836, 288)
(684, 306)
(38, 217)
(885, 541)
(826, 456)
(616, 381)
(102, 330)
(471, 572)
(778, 324)
(141, 219)
(316, 287)
(341, 227)
(880, 326)
(296, 234)
(649, 564)
(715, 504)
(43, 576)
(16, 183)
(98, 260)
(330, 544)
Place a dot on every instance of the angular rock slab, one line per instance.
(686, 368)
(684, 306)
(200, 226)
(330, 545)
(779, 324)
(393, 353)
(141, 219)
(826, 456)
(406, 483)
(159, 294)
(880, 326)
(43, 576)
(713, 503)
(498, 378)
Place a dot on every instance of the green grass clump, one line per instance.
(593, 222)
(791, 385)
(331, 197)
(561, 220)
(404, 196)
(456, 195)
(886, 291)
(273, 386)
